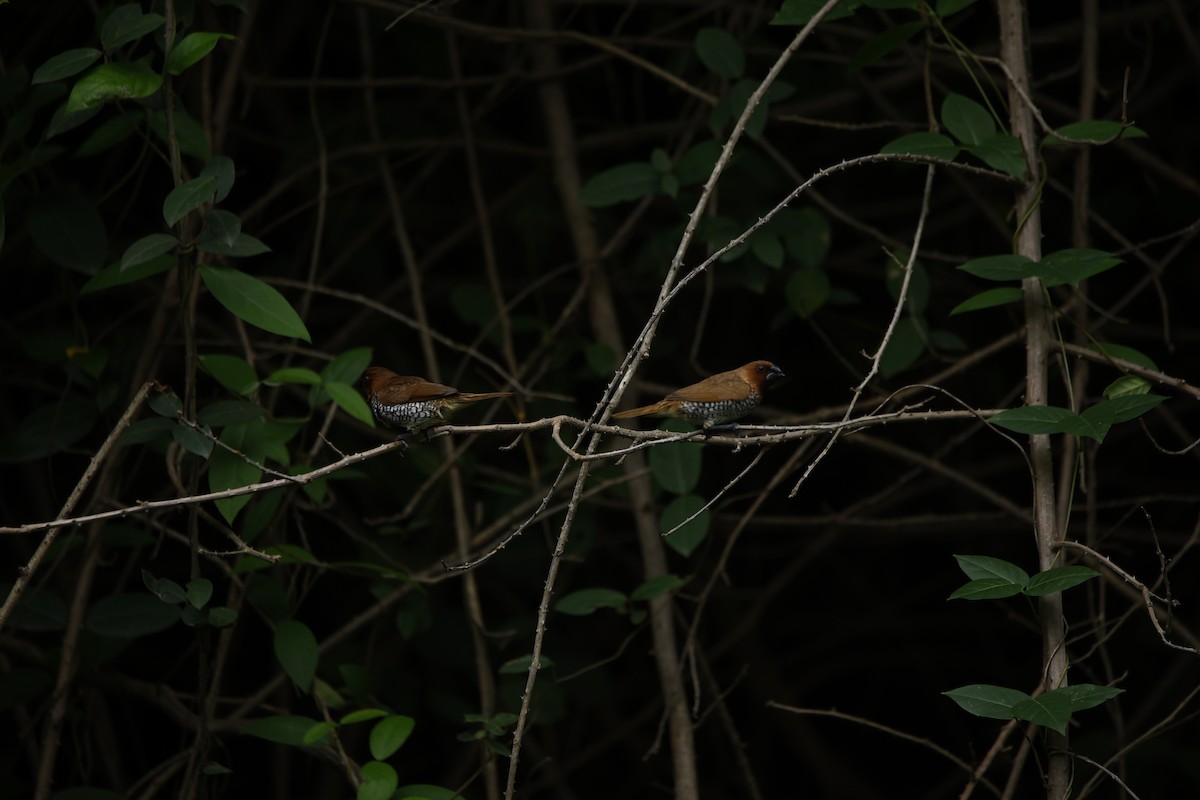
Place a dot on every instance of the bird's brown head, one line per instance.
(760, 374)
(374, 379)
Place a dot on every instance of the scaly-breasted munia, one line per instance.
(414, 404)
(716, 399)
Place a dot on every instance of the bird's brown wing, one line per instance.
(409, 389)
(722, 386)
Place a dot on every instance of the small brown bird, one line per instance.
(414, 404)
(716, 399)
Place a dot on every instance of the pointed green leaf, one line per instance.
(223, 226)
(720, 52)
(903, 349)
(114, 81)
(347, 367)
(221, 616)
(986, 700)
(1072, 266)
(697, 163)
(349, 400)
(293, 375)
(253, 301)
(192, 48)
(1050, 710)
(967, 120)
(362, 715)
(520, 664)
(64, 65)
(296, 649)
(113, 275)
(187, 197)
(989, 299)
(1037, 419)
(231, 372)
(229, 471)
(1010, 267)
(1059, 579)
(1129, 407)
(657, 587)
(229, 412)
(619, 184)
(989, 567)
(1125, 353)
(389, 734)
(147, 248)
(243, 246)
(318, 732)
(127, 23)
(1087, 695)
(1095, 131)
(287, 729)
(676, 466)
(687, 536)
(807, 290)
(985, 589)
(884, 43)
(221, 168)
(587, 601)
(1127, 386)
(930, 145)
(1003, 152)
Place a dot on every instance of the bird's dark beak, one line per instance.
(774, 374)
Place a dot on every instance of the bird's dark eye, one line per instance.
(761, 368)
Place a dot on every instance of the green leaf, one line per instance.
(1072, 266)
(362, 715)
(807, 235)
(658, 586)
(985, 700)
(293, 375)
(199, 592)
(1058, 579)
(799, 12)
(880, 45)
(1129, 407)
(690, 535)
(1094, 423)
(187, 197)
(967, 120)
(929, 145)
(988, 299)
(1094, 131)
(903, 349)
(1010, 267)
(379, 781)
(221, 617)
(113, 275)
(1127, 386)
(231, 372)
(147, 248)
(988, 567)
(1003, 152)
(109, 82)
(283, 729)
(946, 8)
(229, 471)
(66, 64)
(619, 184)
(1049, 709)
(221, 168)
(349, 400)
(1087, 695)
(807, 291)
(349, 366)
(223, 226)
(68, 229)
(389, 734)
(296, 649)
(1038, 419)
(767, 248)
(191, 49)
(318, 732)
(229, 412)
(676, 466)
(697, 163)
(587, 601)
(243, 246)
(520, 665)
(720, 52)
(985, 589)
(129, 616)
(1125, 353)
(253, 301)
(192, 440)
(125, 24)
(164, 589)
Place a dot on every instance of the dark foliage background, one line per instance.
(834, 599)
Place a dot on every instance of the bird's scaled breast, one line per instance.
(719, 409)
(405, 415)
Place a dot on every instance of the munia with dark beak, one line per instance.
(717, 399)
(411, 404)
